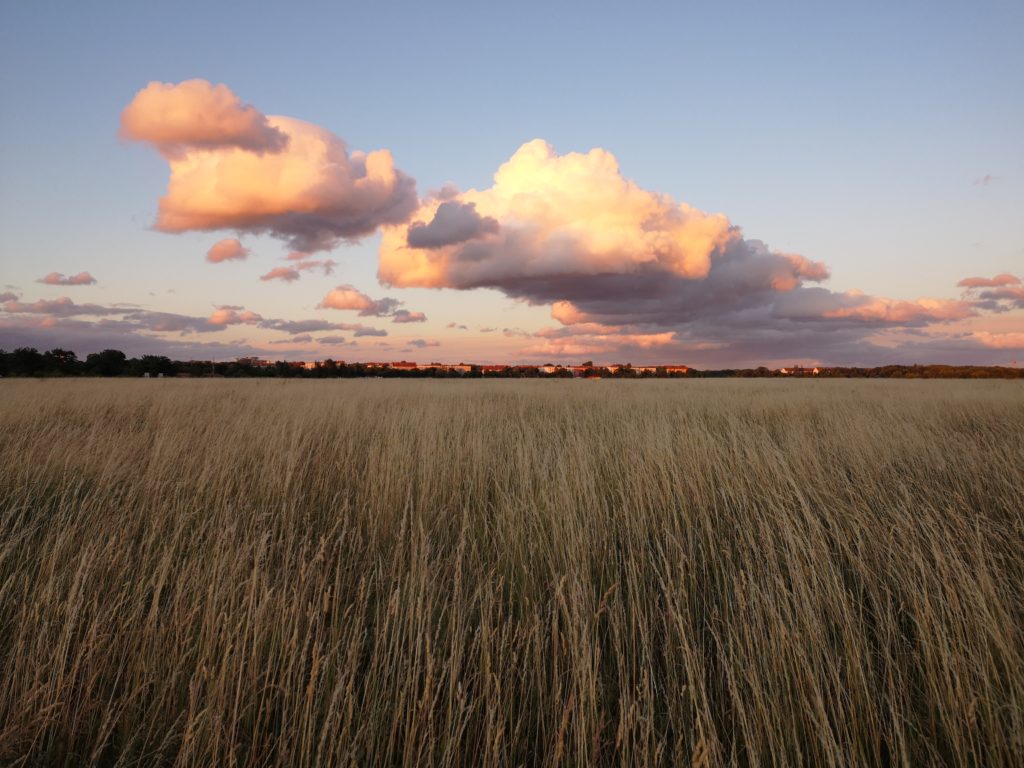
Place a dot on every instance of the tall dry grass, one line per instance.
(511, 573)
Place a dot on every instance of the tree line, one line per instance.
(28, 361)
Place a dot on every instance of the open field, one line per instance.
(511, 573)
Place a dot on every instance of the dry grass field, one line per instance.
(706, 573)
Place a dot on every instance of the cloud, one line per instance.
(61, 307)
(984, 181)
(351, 298)
(292, 273)
(235, 315)
(311, 326)
(287, 274)
(8, 296)
(487, 330)
(301, 339)
(57, 278)
(230, 315)
(573, 233)
(453, 223)
(422, 343)
(558, 215)
(989, 282)
(233, 168)
(1001, 293)
(334, 340)
(228, 249)
(405, 316)
(457, 326)
(197, 115)
(594, 340)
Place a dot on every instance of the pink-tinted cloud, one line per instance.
(989, 282)
(57, 278)
(348, 297)
(60, 307)
(8, 296)
(548, 215)
(423, 343)
(570, 231)
(293, 272)
(228, 249)
(234, 316)
(1011, 340)
(1001, 293)
(233, 168)
(593, 340)
(197, 115)
(334, 340)
(286, 274)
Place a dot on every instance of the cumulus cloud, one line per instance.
(56, 278)
(555, 215)
(228, 249)
(234, 168)
(570, 231)
(8, 296)
(197, 115)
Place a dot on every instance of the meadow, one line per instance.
(506, 573)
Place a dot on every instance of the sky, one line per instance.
(530, 182)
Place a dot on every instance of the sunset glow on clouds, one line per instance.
(549, 215)
(228, 249)
(56, 278)
(622, 272)
(233, 168)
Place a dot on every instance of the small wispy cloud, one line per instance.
(58, 278)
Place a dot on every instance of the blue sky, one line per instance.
(858, 135)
